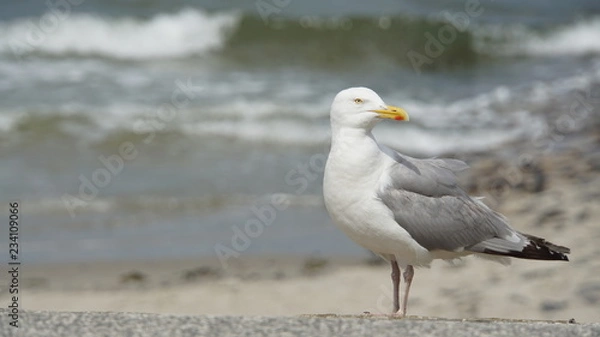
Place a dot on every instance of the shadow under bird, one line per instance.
(409, 211)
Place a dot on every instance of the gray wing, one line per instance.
(428, 203)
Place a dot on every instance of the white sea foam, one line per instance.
(470, 124)
(260, 114)
(577, 38)
(194, 31)
(190, 31)
(580, 38)
(417, 141)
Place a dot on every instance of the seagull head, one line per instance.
(362, 108)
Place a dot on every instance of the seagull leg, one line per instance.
(396, 282)
(408, 276)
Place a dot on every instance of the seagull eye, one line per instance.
(358, 100)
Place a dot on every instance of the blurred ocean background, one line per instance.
(78, 81)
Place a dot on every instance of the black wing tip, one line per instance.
(540, 244)
(537, 249)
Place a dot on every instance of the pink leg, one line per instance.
(396, 283)
(408, 276)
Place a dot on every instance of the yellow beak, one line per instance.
(392, 112)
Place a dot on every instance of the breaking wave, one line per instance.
(247, 38)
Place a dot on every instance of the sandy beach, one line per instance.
(565, 212)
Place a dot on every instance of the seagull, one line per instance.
(409, 211)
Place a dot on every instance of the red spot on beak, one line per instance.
(398, 118)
